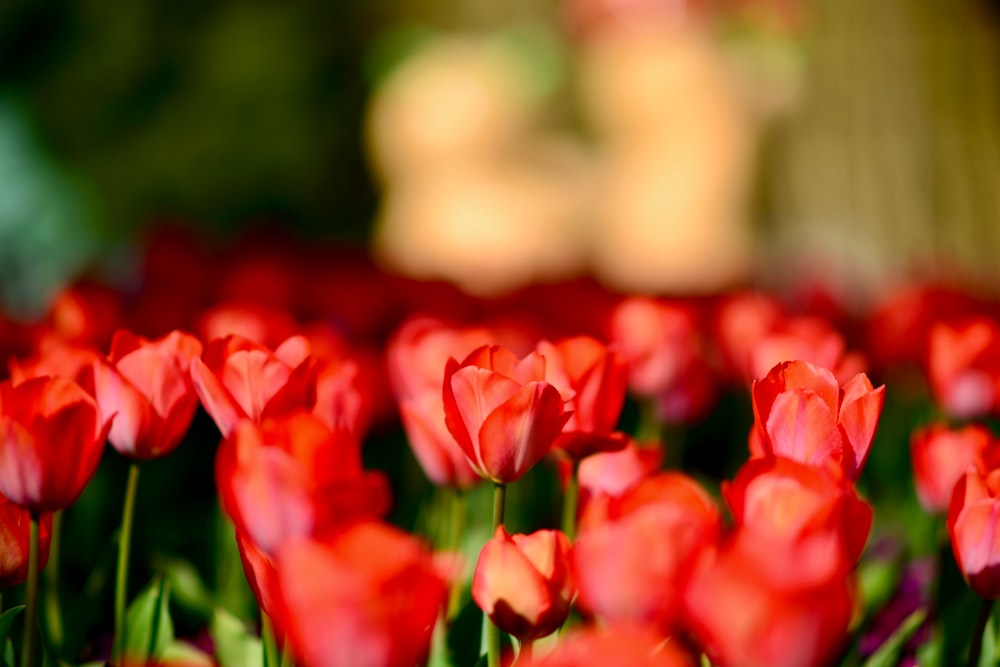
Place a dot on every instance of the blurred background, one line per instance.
(665, 146)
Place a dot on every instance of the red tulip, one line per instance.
(52, 436)
(663, 348)
(614, 473)
(963, 366)
(802, 413)
(973, 527)
(295, 477)
(416, 356)
(14, 525)
(501, 411)
(147, 386)
(596, 377)
(261, 575)
(237, 379)
(54, 356)
(940, 457)
(368, 595)
(632, 552)
(522, 582)
(620, 646)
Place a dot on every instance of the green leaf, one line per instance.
(888, 654)
(187, 655)
(8, 654)
(7, 621)
(148, 626)
(186, 586)
(234, 645)
(439, 656)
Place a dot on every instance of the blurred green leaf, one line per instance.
(186, 654)
(149, 628)
(888, 654)
(8, 654)
(877, 581)
(234, 645)
(439, 656)
(186, 586)
(7, 621)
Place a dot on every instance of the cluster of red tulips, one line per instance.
(649, 564)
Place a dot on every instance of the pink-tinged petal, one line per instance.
(802, 427)
(976, 536)
(298, 392)
(521, 431)
(131, 410)
(530, 369)
(792, 375)
(478, 393)
(546, 550)
(122, 343)
(441, 458)
(460, 431)
(294, 351)
(508, 588)
(859, 414)
(218, 402)
(21, 475)
(251, 378)
(260, 573)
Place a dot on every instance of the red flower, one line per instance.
(261, 575)
(295, 477)
(522, 582)
(975, 536)
(963, 366)
(416, 356)
(940, 457)
(501, 411)
(147, 386)
(237, 379)
(14, 525)
(632, 646)
(632, 551)
(802, 413)
(51, 438)
(368, 595)
(596, 377)
(614, 473)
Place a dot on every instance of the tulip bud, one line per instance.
(522, 582)
(972, 527)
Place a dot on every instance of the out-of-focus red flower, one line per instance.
(368, 595)
(596, 376)
(237, 379)
(294, 477)
(265, 326)
(86, 313)
(147, 386)
(261, 574)
(523, 583)
(801, 412)
(940, 456)
(600, 647)
(416, 356)
(14, 528)
(742, 619)
(812, 517)
(52, 434)
(614, 473)
(501, 411)
(54, 356)
(665, 355)
(963, 366)
(972, 525)
(632, 552)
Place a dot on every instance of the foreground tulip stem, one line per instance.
(976, 645)
(570, 502)
(124, 546)
(31, 596)
(53, 611)
(492, 631)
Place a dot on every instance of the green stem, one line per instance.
(124, 546)
(286, 655)
(53, 610)
(31, 596)
(492, 631)
(570, 501)
(976, 645)
(456, 528)
(267, 640)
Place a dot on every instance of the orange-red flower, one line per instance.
(237, 379)
(801, 412)
(501, 411)
(14, 524)
(368, 595)
(632, 552)
(973, 517)
(416, 356)
(147, 386)
(52, 434)
(940, 456)
(596, 377)
(963, 366)
(631, 646)
(523, 583)
(294, 477)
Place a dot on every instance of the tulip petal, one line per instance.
(218, 402)
(859, 414)
(802, 427)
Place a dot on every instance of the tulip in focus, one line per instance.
(147, 386)
(940, 457)
(523, 583)
(52, 435)
(972, 527)
(801, 412)
(501, 411)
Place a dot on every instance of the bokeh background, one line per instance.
(660, 145)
